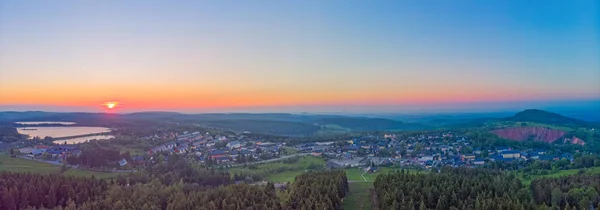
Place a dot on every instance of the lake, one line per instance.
(65, 132)
(59, 132)
(78, 140)
(45, 123)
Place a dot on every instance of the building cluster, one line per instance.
(419, 151)
(219, 149)
(58, 151)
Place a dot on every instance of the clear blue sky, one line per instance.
(231, 55)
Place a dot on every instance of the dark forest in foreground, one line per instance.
(484, 189)
(174, 184)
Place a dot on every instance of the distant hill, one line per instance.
(265, 123)
(545, 117)
(369, 124)
(271, 127)
(533, 133)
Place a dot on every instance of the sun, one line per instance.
(110, 105)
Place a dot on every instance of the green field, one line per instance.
(353, 174)
(9, 164)
(295, 169)
(359, 196)
(593, 170)
(290, 150)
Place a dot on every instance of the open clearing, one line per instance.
(291, 169)
(358, 197)
(592, 170)
(9, 164)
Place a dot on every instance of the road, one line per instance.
(271, 160)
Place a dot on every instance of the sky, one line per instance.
(198, 56)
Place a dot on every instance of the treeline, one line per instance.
(10, 134)
(23, 191)
(19, 190)
(579, 191)
(459, 188)
(155, 195)
(318, 190)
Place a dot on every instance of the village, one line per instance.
(419, 151)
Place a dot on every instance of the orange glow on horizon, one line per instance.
(111, 105)
(187, 96)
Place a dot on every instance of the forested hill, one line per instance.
(545, 117)
(266, 123)
(369, 124)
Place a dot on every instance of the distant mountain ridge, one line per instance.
(541, 116)
(266, 123)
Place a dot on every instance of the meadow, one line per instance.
(592, 170)
(291, 170)
(359, 196)
(8, 164)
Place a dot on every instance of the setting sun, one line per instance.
(110, 105)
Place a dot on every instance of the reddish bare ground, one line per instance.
(523, 133)
(574, 140)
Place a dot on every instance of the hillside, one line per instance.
(369, 124)
(265, 123)
(533, 133)
(545, 117)
(264, 127)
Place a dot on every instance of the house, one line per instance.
(502, 149)
(468, 157)
(217, 154)
(511, 154)
(137, 159)
(163, 147)
(26, 150)
(122, 162)
(500, 158)
(540, 151)
(31, 152)
(425, 158)
(234, 145)
(66, 148)
(479, 161)
(198, 143)
(324, 143)
(41, 147)
(182, 149)
(533, 155)
(317, 152)
(371, 169)
(223, 159)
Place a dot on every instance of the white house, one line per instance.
(234, 145)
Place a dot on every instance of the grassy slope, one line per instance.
(359, 196)
(9, 164)
(593, 170)
(286, 176)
